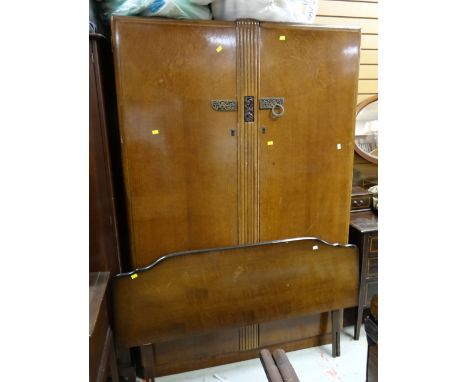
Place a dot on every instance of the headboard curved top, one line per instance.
(192, 292)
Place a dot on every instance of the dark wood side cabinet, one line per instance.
(102, 358)
(363, 231)
(361, 199)
(104, 250)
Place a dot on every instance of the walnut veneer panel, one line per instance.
(180, 159)
(198, 178)
(239, 286)
(306, 156)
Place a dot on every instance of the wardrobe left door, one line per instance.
(179, 154)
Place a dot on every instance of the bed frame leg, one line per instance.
(335, 317)
(125, 364)
(147, 360)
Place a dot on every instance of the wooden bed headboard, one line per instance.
(193, 292)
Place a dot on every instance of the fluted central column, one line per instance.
(247, 95)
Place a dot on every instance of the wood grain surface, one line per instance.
(235, 287)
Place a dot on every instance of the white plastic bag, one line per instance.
(178, 9)
(123, 7)
(298, 11)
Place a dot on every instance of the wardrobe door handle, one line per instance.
(275, 107)
(275, 104)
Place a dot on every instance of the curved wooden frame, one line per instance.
(194, 292)
(361, 105)
(195, 251)
(233, 287)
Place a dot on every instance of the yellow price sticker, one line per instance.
(155, 132)
(134, 276)
(270, 143)
(219, 48)
(282, 38)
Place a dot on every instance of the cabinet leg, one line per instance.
(335, 316)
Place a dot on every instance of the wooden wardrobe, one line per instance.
(235, 133)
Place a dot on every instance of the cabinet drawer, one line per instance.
(361, 202)
(372, 266)
(371, 289)
(373, 245)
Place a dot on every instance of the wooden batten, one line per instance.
(363, 14)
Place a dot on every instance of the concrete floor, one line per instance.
(313, 364)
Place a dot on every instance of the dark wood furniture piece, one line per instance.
(361, 199)
(104, 249)
(371, 323)
(211, 159)
(277, 366)
(197, 292)
(363, 232)
(107, 223)
(206, 161)
(102, 358)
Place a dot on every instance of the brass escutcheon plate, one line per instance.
(224, 105)
(271, 102)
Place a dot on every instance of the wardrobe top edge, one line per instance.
(228, 24)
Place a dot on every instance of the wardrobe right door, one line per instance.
(306, 144)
